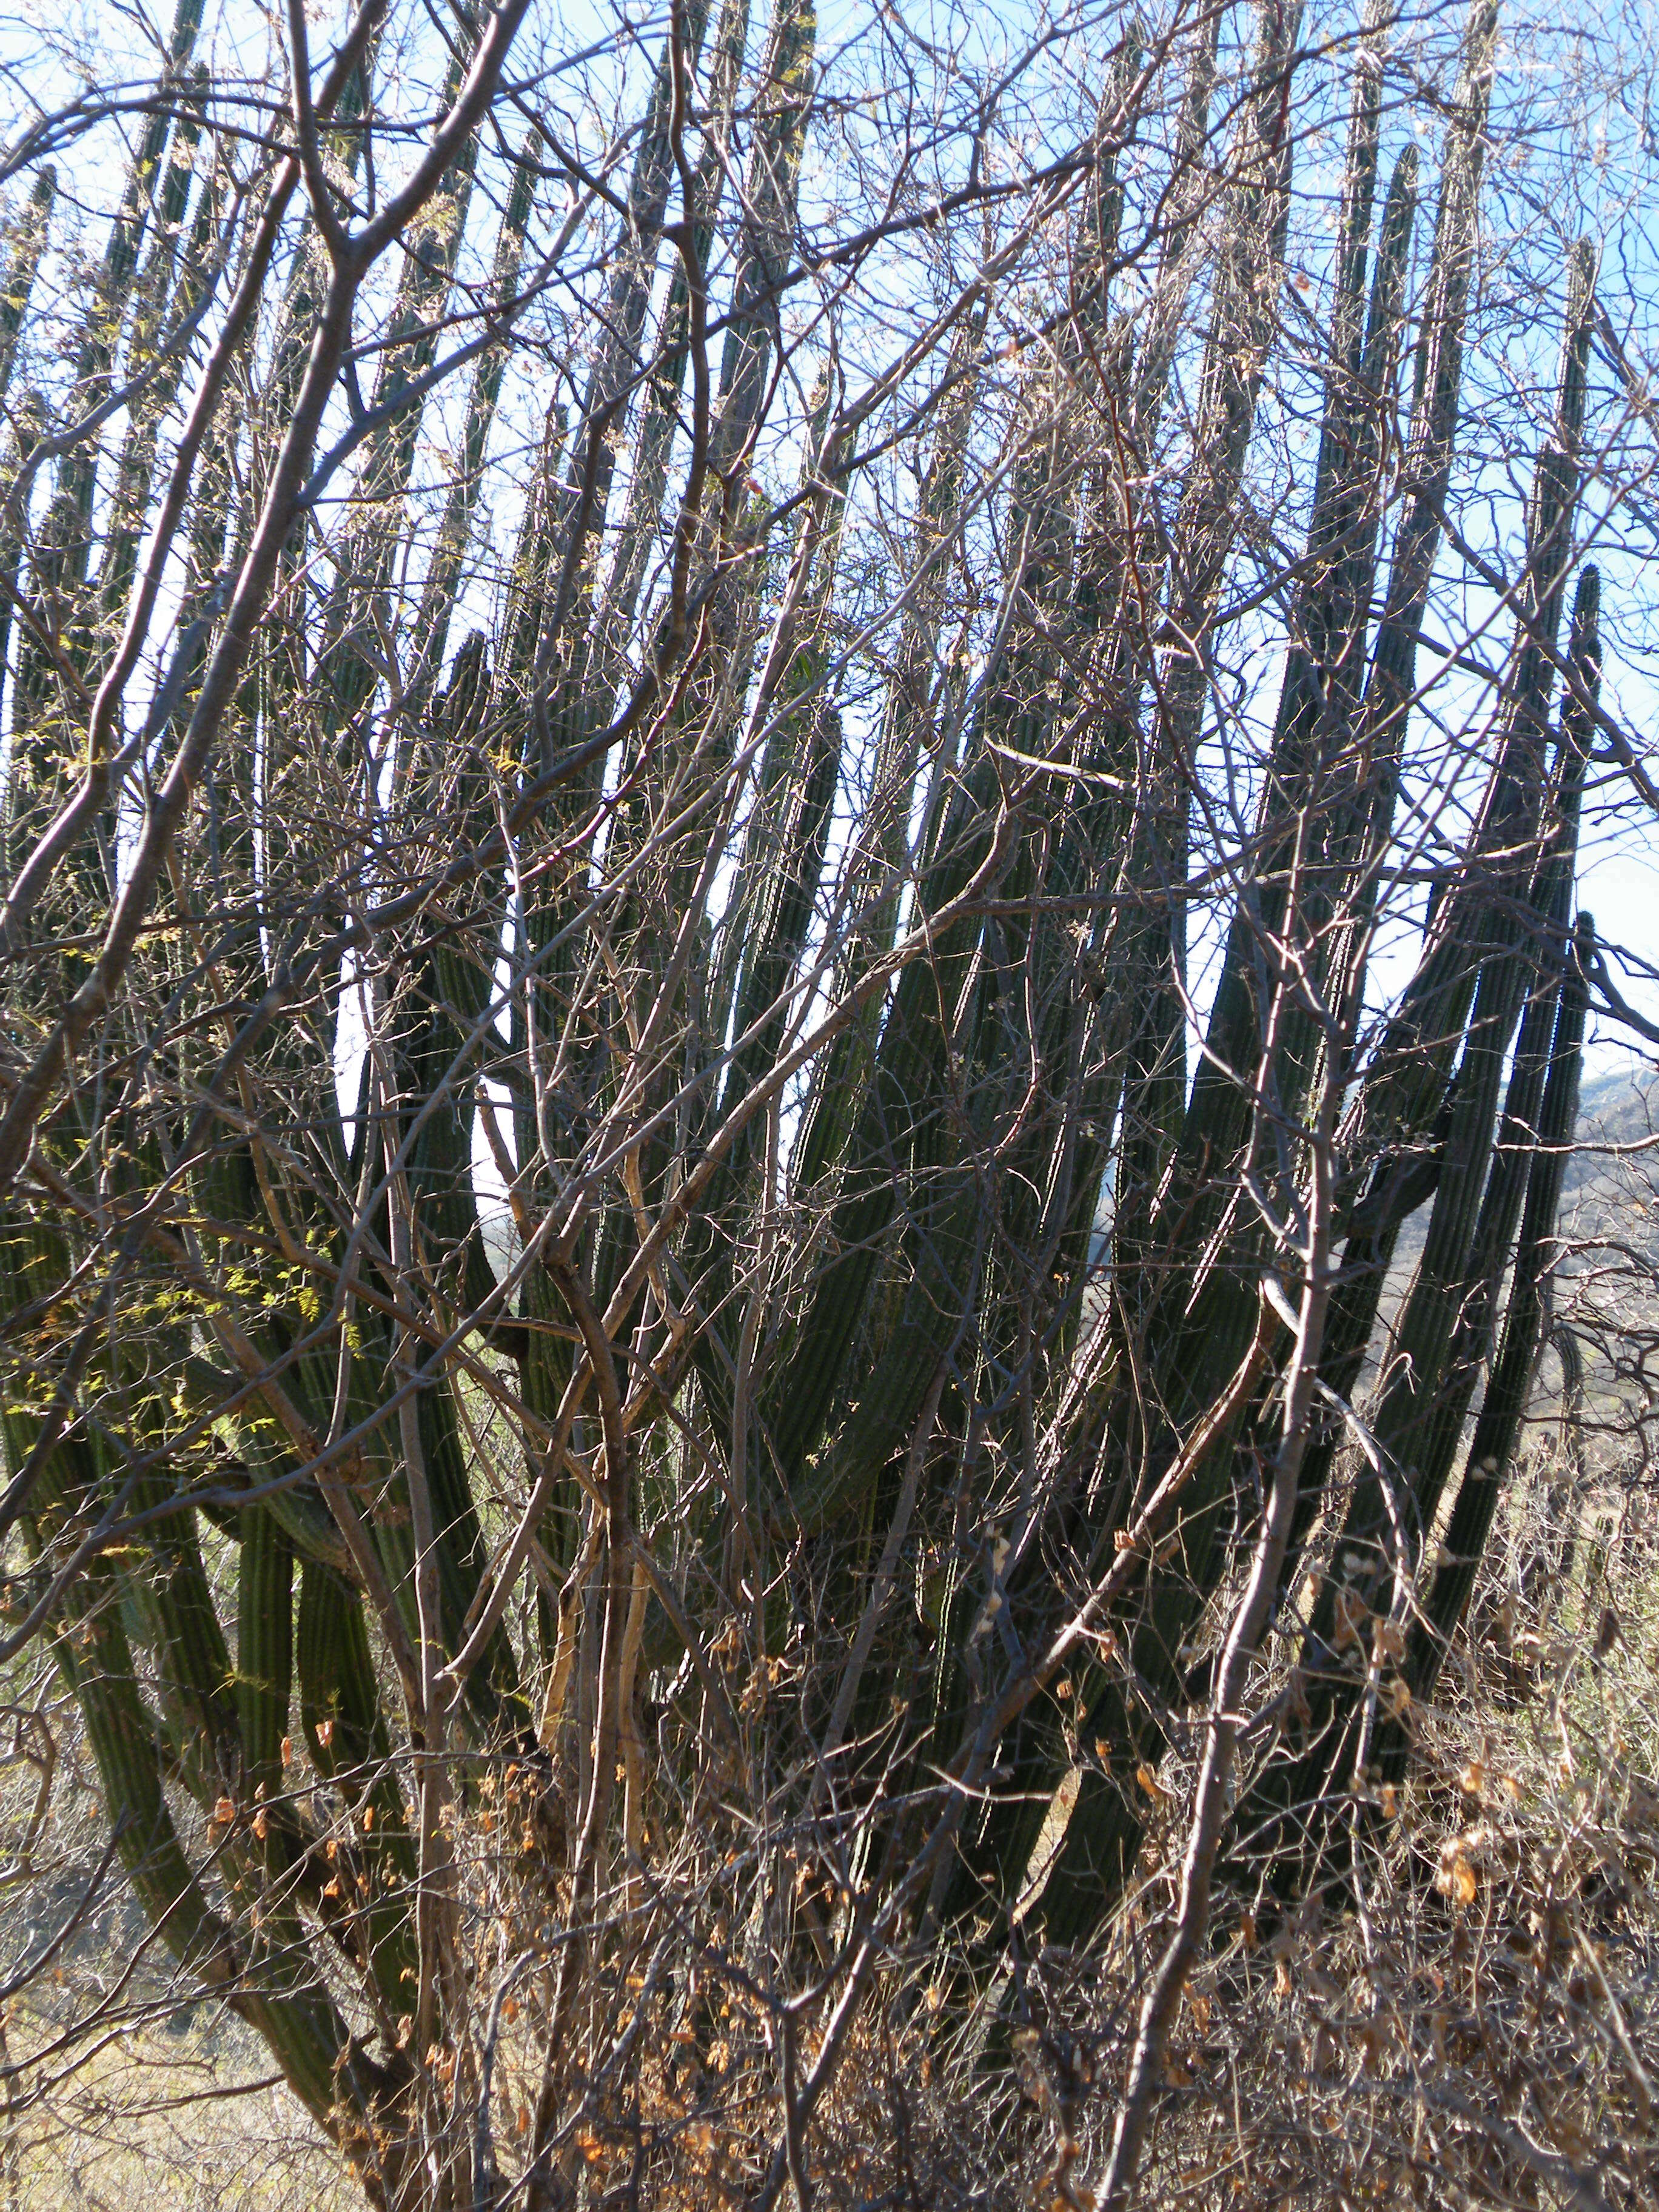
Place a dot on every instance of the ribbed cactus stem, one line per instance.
(96, 1662)
(1478, 934)
(107, 316)
(1190, 186)
(1539, 965)
(427, 273)
(665, 377)
(1248, 279)
(577, 510)
(347, 1737)
(265, 1662)
(136, 469)
(787, 79)
(784, 851)
(191, 1654)
(1311, 761)
(29, 243)
(913, 707)
(1438, 387)
(443, 580)
(1492, 1450)
(929, 1018)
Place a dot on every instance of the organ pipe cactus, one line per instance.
(659, 1116)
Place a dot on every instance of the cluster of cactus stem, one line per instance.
(960, 1352)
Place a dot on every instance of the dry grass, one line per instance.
(151, 2123)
